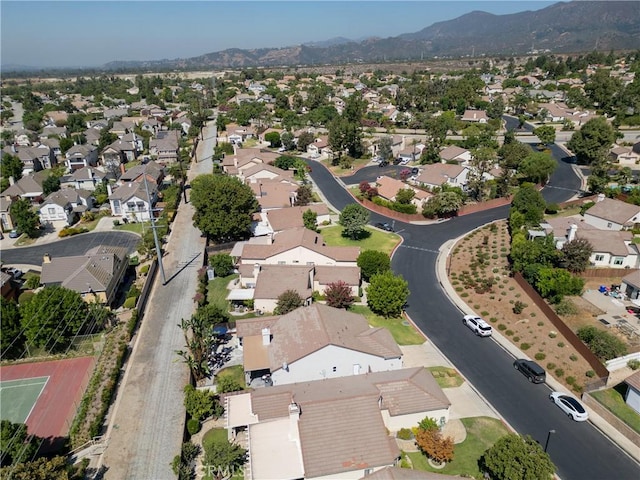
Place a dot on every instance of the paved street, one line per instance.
(580, 451)
(147, 423)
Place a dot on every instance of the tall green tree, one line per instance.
(53, 317)
(287, 302)
(353, 218)
(199, 404)
(387, 294)
(593, 141)
(384, 148)
(224, 207)
(304, 195)
(25, 218)
(529, 201)
(16, 445)
(11, 166)
(576, 254)
(11, 338)
(50, 184)
(372, 262)
(514, 457)
(546, 134)
(56, 468)
(537, 167)
(310, 219)
(222, 264)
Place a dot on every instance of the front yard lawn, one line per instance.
(138, 227)
(401, 330)
(446, 377)
(482, 433)
(613, 400)
(217, 291)
(377, 240)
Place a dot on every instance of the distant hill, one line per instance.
(577, 26)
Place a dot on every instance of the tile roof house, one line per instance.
(285, 218)
(29, 187)
(438, 173)
(477, 116)
(453, 153)
(610, 214)
(95, 275)
(165, 146)
(389, 187)
(80, 156)
(277, 193)
(65, 205)
(625, 155)
(305, 430)
(131, 201)
(398, 473)
(313, 343)
(263, 171)
(123, 150)
(87, 178)
(299, 246)
(153, 172)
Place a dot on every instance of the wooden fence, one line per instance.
(572, 338)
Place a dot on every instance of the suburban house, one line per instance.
(29, 187)
(439, 173)
(315, 342)
(301, 430)
(630, 285)
(318, 147)
(95, 275)
(33, 159)
(626, 156)
(80, 156)
(131, 202)
(280, 219)
(389, 187)
(263, 171)
(453, 153)
(610, 214)
(476, 116)
(87, 178)
(243, 159)
(5, 216)
(65, 205)
(278, 193)
(632, 396)
(121, 151)
(165, 146)
(610, 248)
(153, 173)
(299, 246)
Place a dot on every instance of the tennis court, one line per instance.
(18, 397)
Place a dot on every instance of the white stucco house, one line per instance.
(314, 343)
(130, 201)
(610, 214)
(65, 205)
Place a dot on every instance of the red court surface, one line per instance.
(57, 404)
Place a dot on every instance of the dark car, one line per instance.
(530, 369)
(415, 171)
(384, 226)
(14, 234)
(383, 163)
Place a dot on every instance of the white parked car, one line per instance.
(569, 405)
(477, 325)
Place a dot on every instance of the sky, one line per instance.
(91, 33)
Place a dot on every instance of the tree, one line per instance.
(372, 262)
(338, 295)
(224, 207)
(273, 138)
(12, 339)
(288, 301)
(517, 458)
(483, 159)
(285, 162)
(50, 184)
(199, 404)
(16, 445)
(555, 283)
(435, 445)
(310, 219)
(604, 345)
(287, 140)
(43, 468)
(384, 148)
(444, 204)
(53, 317)
(226, 383)
(222, 264)
(513, 153)
(405, 195)
(546, 134)
(387, 294)
(537, 167)
(11, 166)
(223, 456)
(539, 251)
(576, 254)
(26, 219)
(304, 140)
(304, 195)
(529, 201)
(353, 218)
(593, 141)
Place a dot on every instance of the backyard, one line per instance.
(613, 400)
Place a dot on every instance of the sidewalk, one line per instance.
(599, 422)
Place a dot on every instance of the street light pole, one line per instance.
(546, 444)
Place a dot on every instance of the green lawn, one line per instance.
(402, 334)
(446, 377)
(236, 372)
(377, 240)
(339, 171)
(613, 400)
(482, 433)
(217, 291)
(217, 435)
(137, 227)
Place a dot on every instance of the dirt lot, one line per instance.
(479, 269)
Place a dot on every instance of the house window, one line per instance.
(618, 260)
(335, 369)
(52, 211)
(131, 206)
(599, 258)
(609, 225)
(281, 262)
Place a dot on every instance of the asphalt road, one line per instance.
(579, 450)
(76, 245)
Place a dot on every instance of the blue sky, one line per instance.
(92, 33)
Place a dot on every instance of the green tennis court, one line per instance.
(17, 397)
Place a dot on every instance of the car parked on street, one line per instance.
(530, 369)
(14, 234)
(569, 405)
(384, 226)
(477, 325)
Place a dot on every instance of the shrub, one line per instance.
(25, 297)
(509, 333)
(559, 372)
(144, 269)
(551, 366)
(525, 346)
(552, 208)
(404, 434)
(493, 319)
(590, 373)
(518, 307)
(484, 313)
(553, 334)
(573, 357)
(603, 344)
(130, 302)
(571, 380)
(193, 426)
(502, 326)
(633, 364)
(116, 223)
(566, 307)
(561, 344)
(540, 356)
(516, 338)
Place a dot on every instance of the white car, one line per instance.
(569, 405)
(477, 325)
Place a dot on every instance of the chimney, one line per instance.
(46, 258)
(270, 238)
(12, 180)
(266, 336)
(600, 197)
(256, 270)
(571, 232)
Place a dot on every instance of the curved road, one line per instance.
(579, 450)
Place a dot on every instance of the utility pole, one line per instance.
(155, 233)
